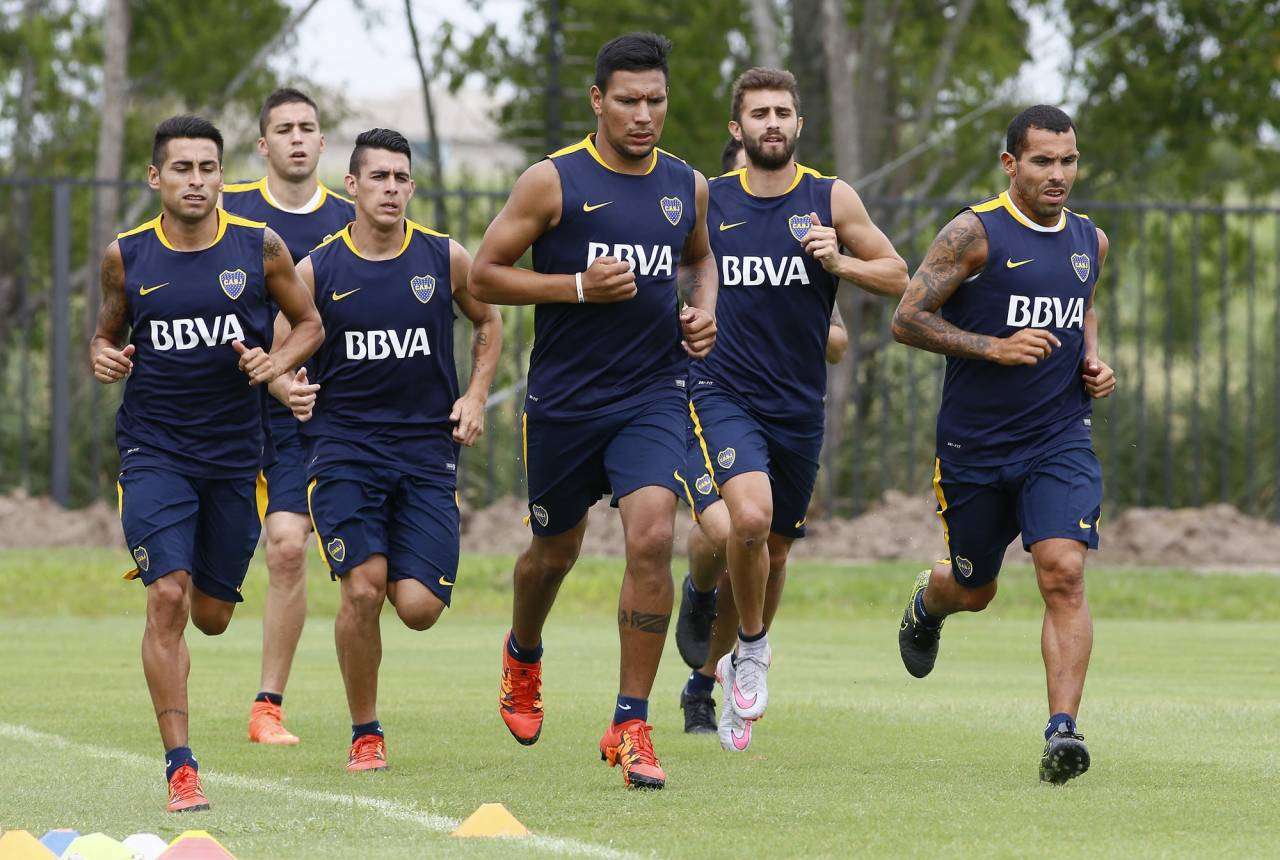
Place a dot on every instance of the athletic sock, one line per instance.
(176, 758)
(276, 699)
(522, 654)
(370, 728)
(699, 684)
(1060, 724)
(754, 644)
(629, 708)
(922, 615)
(700, 599)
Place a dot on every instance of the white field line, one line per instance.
(389, 809)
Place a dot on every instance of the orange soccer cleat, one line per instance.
(368, 752)
(521, 701)
(266, 725)
(185, 792)
(629, 745)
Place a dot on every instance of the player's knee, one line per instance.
(649, 545)
(1062, 581)
(167, 603)
(978, 599)
(211, 622)
(552, 561)
(779, 551)
(421, 616)
(287, 556)
(363, 596)
(751, 524)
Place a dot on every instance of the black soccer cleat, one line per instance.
(1065, 757)
(917, 641)
(693, 627)
(699, 713)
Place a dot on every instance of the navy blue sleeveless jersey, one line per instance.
(301, 231)
(1035, 277)
(774, 305)
(386, 369)
(590, 359)
(186, 398)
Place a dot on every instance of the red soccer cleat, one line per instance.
(368, 752)
(629, 745)
(266, 726)
(185, 792)
(521, 701)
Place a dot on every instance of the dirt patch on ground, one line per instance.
(901, 527)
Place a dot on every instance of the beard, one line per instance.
(757, 155)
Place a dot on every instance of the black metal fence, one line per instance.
(1187, 308)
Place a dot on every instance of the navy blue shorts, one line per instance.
(208, 527)
(362, 510)
(699, 487)
(572, 464)
(736, 442)
(282, 486)
(983, 508)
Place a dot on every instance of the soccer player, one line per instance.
(1006, 293)
(384, 418)
(707, 613)
(184, 316)
(617, 227)
(757, 400)
(291, 201)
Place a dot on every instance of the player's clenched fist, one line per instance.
(699, 328)
(608, 279)
(821, 243)
(468, 416)
(1026, 346)
(112, 365)
(256, 363)
(1099, 378)
(302, 395)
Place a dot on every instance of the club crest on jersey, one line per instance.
(233, 283)
(143, 560)
(799, 226)
(703, 485)
(672, 208)
(424, 287)
(1080, 262)
(337, 549)
(964, 566)
(540, 514)
(726, 458)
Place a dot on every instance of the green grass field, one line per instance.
(1182, 713)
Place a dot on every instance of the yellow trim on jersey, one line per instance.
(1003, 201)
(410, 227)
(260, 496)
(942, 500)
(801, 172)
(224, 219)
(319, 540)
(693, 511)
(702, 442)
(588, 143)
(260, 185)
(524, 450)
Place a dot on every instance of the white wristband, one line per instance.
(577, 282)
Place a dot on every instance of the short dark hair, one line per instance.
(378, 138)
(283, 96)
(184, 125)
(760, 78)
(1046, 117)
(631, 52)
(729, 154)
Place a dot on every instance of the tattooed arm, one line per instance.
(297, 302)
(958, 252)
(107, 360)
(697, 282)
(486, 347)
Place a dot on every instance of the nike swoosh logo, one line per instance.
(1084, 525)
(741, 700)
(624, 707)
(724, 226)
(588, 207)
(446, 583)
(142, 291)
(1010, 264)
(741, 740)
(800, 523)
(337, 296)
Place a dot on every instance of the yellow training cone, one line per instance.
(21, 845)
(491, 819)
